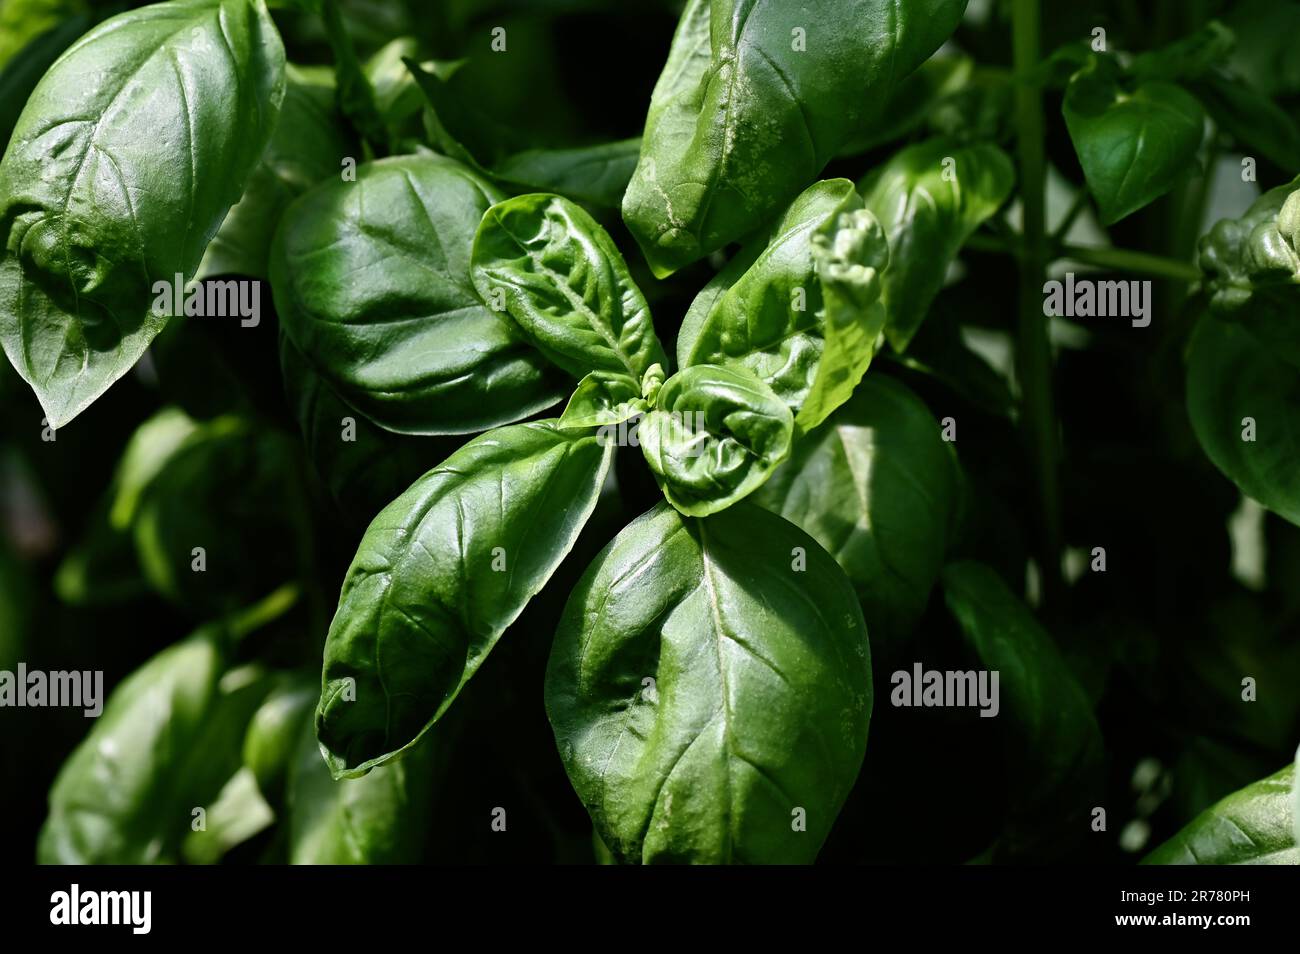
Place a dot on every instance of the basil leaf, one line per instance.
(930, 198)
(850, 252)
(309, 145)
(167, 741)
(603, 398)
(708, 689)
(559, 275)
(714, 436)
(379, 819)
(1188, 58)
(411, 347)
(1253, 826)
(877, 486)
(1053, 744)
(1244, 400)
(1256, 122)
(914, 101)
(238, 813)
(235, 494)
(748, 109)
(766, 311)
(122, 166)
(597, 175)
(271, 744)
(363, 466)
(440, 575)
(1132, 145)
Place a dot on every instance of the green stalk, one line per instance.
(1140, 263)
(1033, 353)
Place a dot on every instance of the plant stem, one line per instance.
(1033, 353)
(1141, 263)
(1076, 208)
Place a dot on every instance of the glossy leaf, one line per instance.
(271, 744)
(378, 819)
(930, 198)
(877, 486)
(714, 436)
(593, 174)
(122, 166)
(1053, 744)
(603, 398)
(412, 347)
(766, 311)
(1253, 826)
(310, 143)
(167, 742)
(913, 101)
(238, 813)
(744, 115)
(1132, 145)
(1257, 123)
(706, 688)
(546, 263)
(440, 575)
(1244, 402)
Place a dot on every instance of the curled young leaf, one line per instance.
(603, 398)
(1253, 826)
(1132, 144)
(754, 100)
(710, 689)
(766, 312)
(554, 270)
(411, 346)
(930, 198)
(127, 157)
(440, 575)
(714, 436)
(1252, 270)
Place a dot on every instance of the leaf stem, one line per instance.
(1125, 260)
(1033, 352)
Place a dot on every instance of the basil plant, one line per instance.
(452, 414)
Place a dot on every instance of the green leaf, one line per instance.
(1252, 270)
(411, 346)
(1253, 826)
(766, 311)
(310, 143)
(166, 743)
(378, 819)
(913, 102)
(753, 102)
(1053, 744)
(714, 436)
(930, 198)
(597, 175)
(24, 70)
(1244, 403)
(121, 168)
(850, 252)
(1133, 145)
(548, 264)
(877, 486)
(440, 575)
(235, 494)
(238, 814)
(1188, 58)
(603, 398)
(1256, 122)
(271, 743)
(363, 466)
(708, 688)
